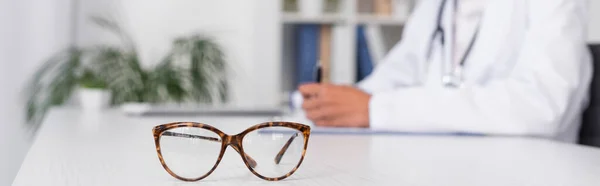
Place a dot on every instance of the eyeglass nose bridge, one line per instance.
(236, 143)
(233, 141)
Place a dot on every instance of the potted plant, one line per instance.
(93, 91)
(193, 71)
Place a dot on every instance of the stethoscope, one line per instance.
(454, 77)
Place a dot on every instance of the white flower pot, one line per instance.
(94, 99)
(311, 8)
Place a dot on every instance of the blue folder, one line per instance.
(307, 52)
(363, 56)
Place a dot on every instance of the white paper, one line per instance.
(299, 117)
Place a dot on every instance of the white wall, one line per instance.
(594, 22)
(30, 30)
(7, 130)
(11, 144)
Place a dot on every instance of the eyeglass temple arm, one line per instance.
(175, 134)
(285, 148)
(251, 161)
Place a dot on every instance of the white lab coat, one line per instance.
(528, 73)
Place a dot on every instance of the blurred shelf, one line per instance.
(295, 18)
(380, 20)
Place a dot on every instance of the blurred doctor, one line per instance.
(499, 67)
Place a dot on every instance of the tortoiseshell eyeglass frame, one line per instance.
(235, 141)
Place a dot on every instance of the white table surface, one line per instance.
(75, 148)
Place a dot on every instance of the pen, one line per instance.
(319, 74)
(318, 77)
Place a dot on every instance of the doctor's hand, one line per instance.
(335, 106)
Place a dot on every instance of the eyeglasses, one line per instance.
(191, 151)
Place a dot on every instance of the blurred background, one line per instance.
(226, 53)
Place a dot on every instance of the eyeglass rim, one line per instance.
(232, 140)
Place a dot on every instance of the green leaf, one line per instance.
(205, 66)
(122, 72)
(52, 84)
(114, 28)
(89, 79)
